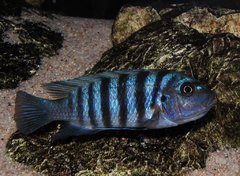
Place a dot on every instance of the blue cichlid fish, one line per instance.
(129, 99)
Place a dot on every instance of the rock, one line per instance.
(203, 19)
(213, 59)
(130, 19)
(35, 3)
(226, 162)
(212, 20)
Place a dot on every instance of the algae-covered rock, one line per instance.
(23, 43)
(202, 18)
(213, 59)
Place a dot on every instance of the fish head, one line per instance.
(184, 99)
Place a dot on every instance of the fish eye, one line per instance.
(187, 89)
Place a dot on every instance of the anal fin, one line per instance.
(70, 130)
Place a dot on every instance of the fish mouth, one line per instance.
(192, 117)
(205, 107)
(212, 100)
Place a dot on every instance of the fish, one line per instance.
(115, 100)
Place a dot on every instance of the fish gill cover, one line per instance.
(213, 59)
(23, 43)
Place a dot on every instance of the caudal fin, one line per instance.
(30, 113)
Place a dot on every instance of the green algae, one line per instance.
(213, 59)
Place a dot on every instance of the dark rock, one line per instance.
(12, 7)
(35, 3)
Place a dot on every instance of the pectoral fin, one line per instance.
(159, 120)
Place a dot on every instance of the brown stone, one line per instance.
(204, 20)
(131, 19)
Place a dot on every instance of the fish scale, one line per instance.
(114, 105)
(130, 99)
(85, 105)
(96, 103)
(148, 94)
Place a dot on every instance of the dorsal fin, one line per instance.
(62, 89)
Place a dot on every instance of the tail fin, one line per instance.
(30, 113)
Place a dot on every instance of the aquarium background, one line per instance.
(108, 9)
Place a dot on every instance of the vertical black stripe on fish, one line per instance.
(105, 102)
(140, 95)
(122, 100)
(91, 106)
(80, 107)
(157, 84)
